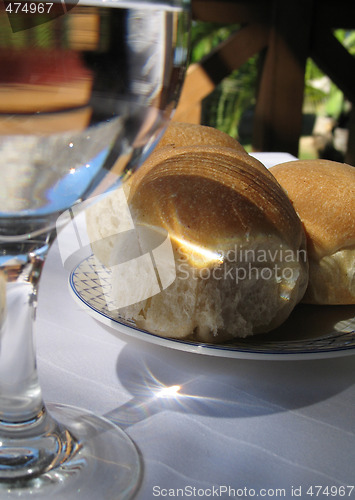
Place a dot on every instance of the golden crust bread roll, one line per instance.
(179, 134)
(323, 194)
(238, 245)
(185, 179)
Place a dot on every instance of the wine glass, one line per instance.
(86, 89)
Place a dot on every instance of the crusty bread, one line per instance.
(238, 245)
(179, 134)
(323, 195)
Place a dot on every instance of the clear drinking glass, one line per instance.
(85, 90)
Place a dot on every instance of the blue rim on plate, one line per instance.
(310, 332)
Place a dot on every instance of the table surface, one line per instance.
(258, 427)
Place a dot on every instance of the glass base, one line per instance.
(104, 465)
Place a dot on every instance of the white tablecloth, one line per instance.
(235, 429)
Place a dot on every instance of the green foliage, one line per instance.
(346, 38)
(224, 107)
(232, 97)
(237, 93)
(206, 36)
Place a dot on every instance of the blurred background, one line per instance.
(278, 76)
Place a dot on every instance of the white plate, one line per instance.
(310, 332)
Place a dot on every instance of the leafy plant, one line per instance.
(206, 36)
(224, 107)
(236, 94)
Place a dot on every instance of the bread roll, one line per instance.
(179, 134)
(323, 195)
(238, 245)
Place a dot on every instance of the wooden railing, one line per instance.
(286, 33)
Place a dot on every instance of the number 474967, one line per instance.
(330, 491)
(29, 7)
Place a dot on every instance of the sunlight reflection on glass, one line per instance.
(169, 392)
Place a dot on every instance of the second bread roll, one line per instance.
(323, 194)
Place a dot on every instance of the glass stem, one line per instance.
(31, 442)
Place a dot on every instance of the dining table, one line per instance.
(208, 423)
